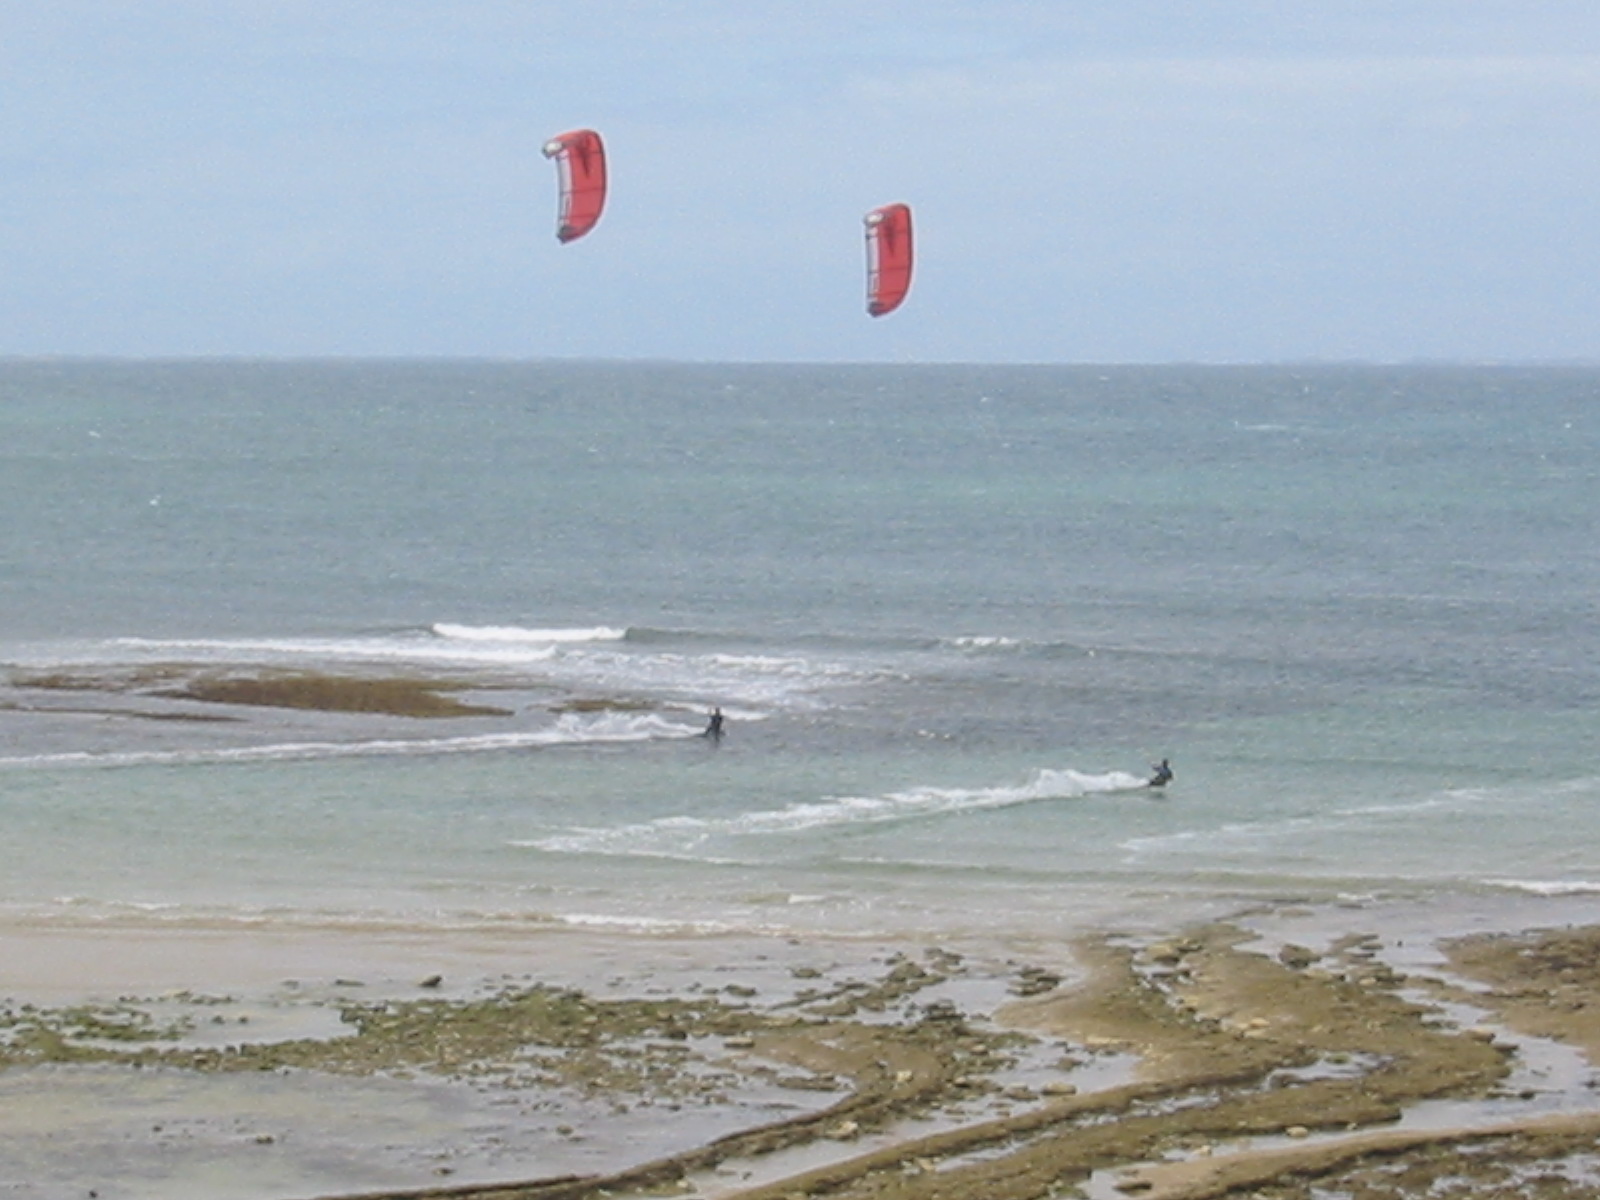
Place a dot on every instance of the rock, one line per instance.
(1297, 1131)
(1297, 957)
(432, 981)
(1033, 981)
(1165, 953)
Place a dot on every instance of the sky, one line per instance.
(1092, 181)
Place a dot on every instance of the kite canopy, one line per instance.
(581, 163)
(888, 257)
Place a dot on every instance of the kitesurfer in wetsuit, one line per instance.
(714, 726)
(1162, 776)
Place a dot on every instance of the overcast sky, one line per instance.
(1093, 180)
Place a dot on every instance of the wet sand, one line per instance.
(1221, 1060)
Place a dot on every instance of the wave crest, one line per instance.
(517, 633)
(682, 836)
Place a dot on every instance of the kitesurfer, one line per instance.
(714, 726)
(1162, 774)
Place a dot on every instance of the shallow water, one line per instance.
(951, 614)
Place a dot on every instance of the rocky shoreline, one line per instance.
(1208, 1063)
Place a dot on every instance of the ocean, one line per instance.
(951, 614)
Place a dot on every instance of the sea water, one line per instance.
(951, 614)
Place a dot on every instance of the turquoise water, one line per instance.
(952, 614)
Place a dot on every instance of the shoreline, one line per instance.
(1291, 1042)
(66, 957)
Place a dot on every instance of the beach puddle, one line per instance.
(173, 1134)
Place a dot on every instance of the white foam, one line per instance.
(978, 642)
(679, 835)
(379, 649)
(595, 658)
(570, 729)
(1549, 887)
(664, 925)
(757, 682)
(583, 658)
(516, 633)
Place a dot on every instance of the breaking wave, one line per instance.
(516, 633)
(570, 729)
(680, 835)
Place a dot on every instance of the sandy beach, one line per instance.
(1291, 1053)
